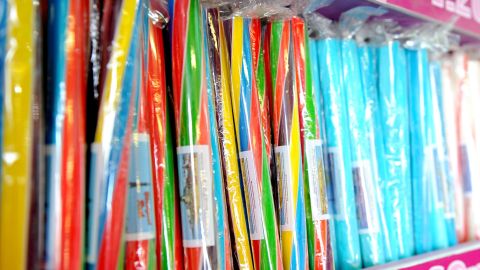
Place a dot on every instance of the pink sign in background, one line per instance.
(468, 260)
(467, 11)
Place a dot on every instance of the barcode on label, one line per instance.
(250, 177)
(316, 179)
(285, 188)
(365, 197)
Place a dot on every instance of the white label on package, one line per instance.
(316, 180)
(196, 195)
(285, 187)
(250, 178)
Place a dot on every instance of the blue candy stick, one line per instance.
(394, 122)
(364, 176)
(338, 153)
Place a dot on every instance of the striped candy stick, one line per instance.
(338, 153)
(316, 205)
(286, 132)
(17, 130)
(253, 156)
(194, 149)
(364, 174)
(224, 252)
(140, 224)
(109, 167)
(162, 153)
(55, 107)
(73, 155)
(264, 84)
(220, 71)
(468, 156)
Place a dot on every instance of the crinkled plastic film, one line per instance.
(67, 43)
(286, 133)
(394, 123)
(428, 212)
(158, 12)
(316, 203)
(17, 132)
(168, 228)
(363, 171)
(246, 34)
(338, 153)
(110, 152)
(203, 236)
(219, 67)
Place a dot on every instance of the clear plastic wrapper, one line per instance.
(316, 203)
(17, 116)
(428, 211)
(197, 151)
(158, 12)
(110, 151)
(255, 166)
(446, 184)
(169, 249)
(286, 133)
(219, 66)
(65, 138)
(395, 152)
(348, 254)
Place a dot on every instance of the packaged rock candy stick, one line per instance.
(110, 152)
(219, 65)
(316, 204)
(246, 34)
(197, 173)
(169, 249)
(286, 133)
(65, 138)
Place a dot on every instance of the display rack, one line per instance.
(464, 13)
(464, 256)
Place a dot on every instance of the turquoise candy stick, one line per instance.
(369, 72)
(364, 176)
(428, 218)
(338, 154)
(446, 184)
(394, 123)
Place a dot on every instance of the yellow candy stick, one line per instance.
(16, 158)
